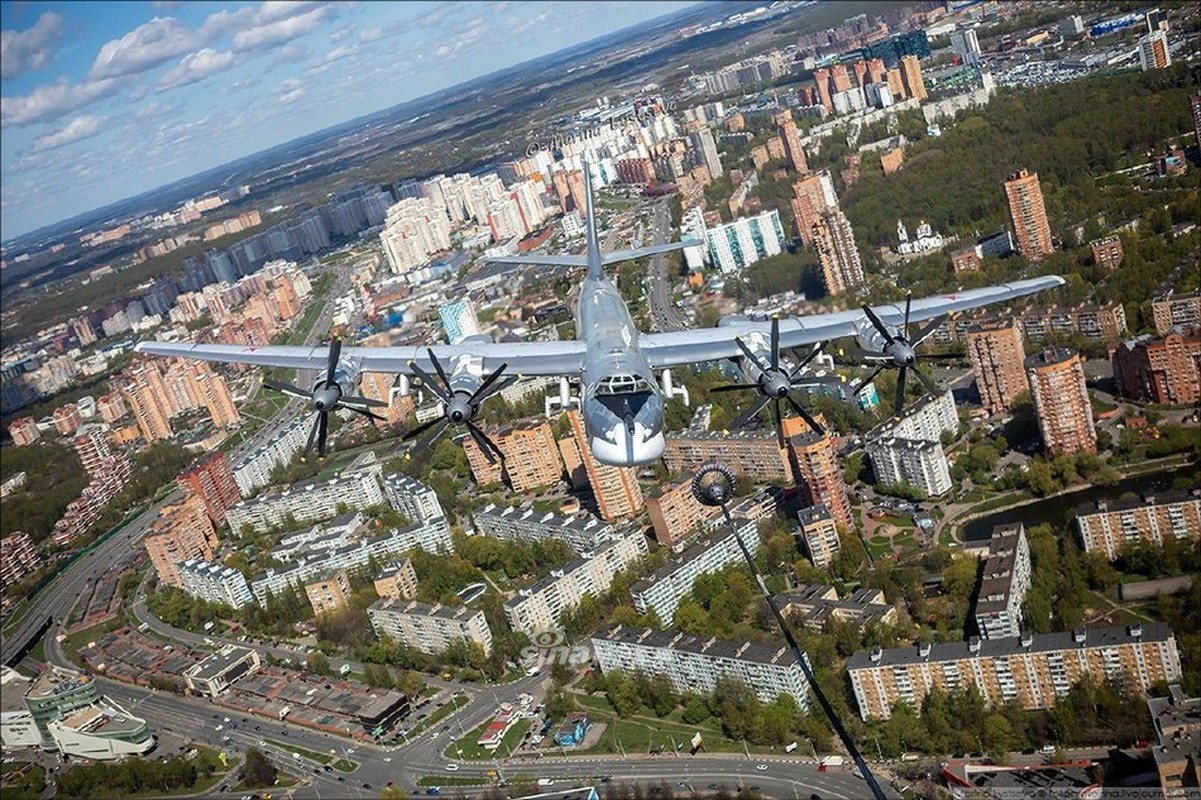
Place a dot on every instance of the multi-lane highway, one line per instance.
(664, 315)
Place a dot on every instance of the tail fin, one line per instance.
(596, 263)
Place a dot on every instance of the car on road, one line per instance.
(387, 759)
(452, 767)
(433, 790)
(762, 768)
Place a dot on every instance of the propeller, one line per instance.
(775, 384)
(460, 406)
(900, 352)
(326, 397)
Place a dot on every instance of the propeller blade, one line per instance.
(775, 343)
(322, 434)
(430, 383)
(908, 302)
(335, 352)
(869, 379)
(901, 390)
(432, 435)
(775, 407)
(312, 437)
(287, 388)
(734, 387)
(930, 385)
(370, 415)
(422, 428)
(803, 414)
(486, 444)
(747, 352)
(438, 368)
(925, 332)
(750, 413)
(482, 392)
(817, 348)
(877, 324)
(362, 402)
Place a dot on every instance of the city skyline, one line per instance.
(102, 106)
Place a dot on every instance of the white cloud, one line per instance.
(281, 30)
(197, 66)
(153, 109)
(465, 39)
(148, 45)
(78, 128)
(53, 100)
(293, 91)
(29, 48)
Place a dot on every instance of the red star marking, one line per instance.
(950, 296)
(252, 348)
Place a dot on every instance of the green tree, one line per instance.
(257, 769)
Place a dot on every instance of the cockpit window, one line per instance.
(622, 384)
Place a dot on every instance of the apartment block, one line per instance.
(24, 430)
(1177, 752)
(1004, 583)
(583, 532)
(616, 489)
(1171, 310)
(752, 453)
(1108, 524)
(214, 583)
(531, 459)
(18, 558)
(1061, 402)
(662, 591)
(1029, 215)
(996, 352)
(834, 240)
(537, 608)
(1032, 670)
(1165, 369)
(308, 501)
(429, 629)
(1107, 252)
(412, 498)
(254, 471)
(211, 479)
(813, 605)
(921, 464)
(812, 196)
(675, 512)
(399, 581)
(1105, 322)
(694, 664)
(820, 475)
(329, 592)
(181, 532)
(819, 531)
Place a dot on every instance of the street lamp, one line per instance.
(713, 485)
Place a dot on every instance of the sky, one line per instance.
(105, 100)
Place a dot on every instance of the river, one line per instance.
(1061, 509)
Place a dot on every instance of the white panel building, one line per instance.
(430, 629)
(215, 583)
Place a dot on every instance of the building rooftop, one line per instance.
(13, 686)
(997, 579)
(580, 521)
(677, 562)
(1125, 504)
(56, 681)
(416, 608)
(975, 647)
(216, 664)
(100, 719)
(713, 647)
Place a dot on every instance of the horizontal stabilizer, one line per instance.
(618, 256)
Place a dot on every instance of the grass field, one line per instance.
(468, 747)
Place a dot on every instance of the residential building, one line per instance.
(1106, 322)
(213, 675)
(663, 590)
(66, 418)
(820, 474)
(254, 470)
(214, 583)
(309, 501)
(1031, 670)
(675, 512)
(1169, 311)
(1029, 215)
(812, 196)
(531, 459)
(399, 581)
(415, 229)
(842, 270)
(819, 532)
(1161, 369)
(537, 607)
(1107, 525)
(616, 489)
(911, 77)
(412, 498)
(792, 141)
(752, 453)
(1177, 752)
(1004, 583)
(965, 45)
(813, 605)
(329, 592)
(694, 664)
(1061, 402)
(996, 352)
(582, 531)
(1107, 252)
(181, 532)
(142, 388)
(702, 141)
(738, 244)
(916, 462)
(459, 320)
(429, 629)
(211, 479)
(1153, 51)
(18, 558)
(24, 430)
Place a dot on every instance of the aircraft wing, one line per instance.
(540, 260)
(522, 358)
(711, 344)
(618, 256)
